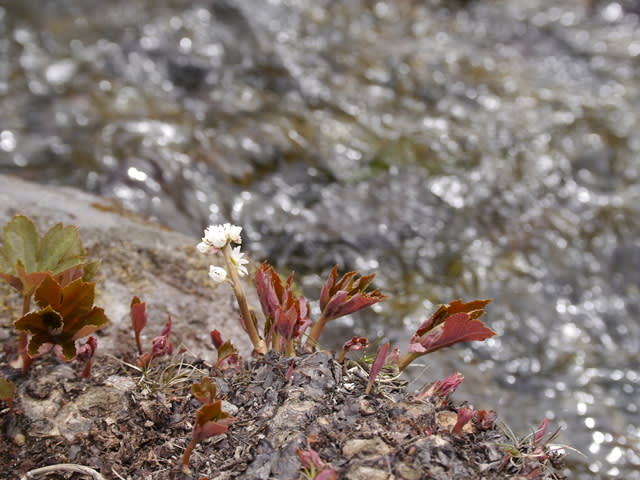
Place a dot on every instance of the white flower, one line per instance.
(217, 274)
(217, 236)
(233, 232)
(239, 261)
(204, 247)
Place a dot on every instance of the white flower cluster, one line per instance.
(217, 237)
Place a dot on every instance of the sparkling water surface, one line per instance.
(468, 149)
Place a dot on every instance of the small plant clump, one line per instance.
(51, 269)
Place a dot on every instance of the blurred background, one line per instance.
(483, 148)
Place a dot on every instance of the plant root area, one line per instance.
(134, 425)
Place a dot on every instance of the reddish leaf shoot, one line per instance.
(464, 416)
(138, 320)
(377, 365)
(356, 343)
(442, 388)
(450, 324)
(85, 354)
(343, 296)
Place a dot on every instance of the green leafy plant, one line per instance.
(27, 258)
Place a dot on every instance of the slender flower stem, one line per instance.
(316, 330)
(258, 343)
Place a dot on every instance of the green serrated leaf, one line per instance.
(90, 270)
(24, 253)
(60, 249)
(21, 244)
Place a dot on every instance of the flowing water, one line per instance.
(468, 149)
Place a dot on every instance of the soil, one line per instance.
(129, 425)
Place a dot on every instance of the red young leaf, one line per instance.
(162, 345)
(347, 295)
(475, 309)
(205, 391)
(450, 324)
(216, 338)
(541, 431)
(287, 313)
(138, 319)
(486, 419)
(227, 353)
(464, 415)
(86, 353)
(457, 328)
(356, 343)
(377, 365)
(327, 474)
(211, 420)
(442, 388)
(310, 459)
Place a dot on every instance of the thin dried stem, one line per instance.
(62, 467)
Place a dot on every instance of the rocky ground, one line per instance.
(127, 425)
